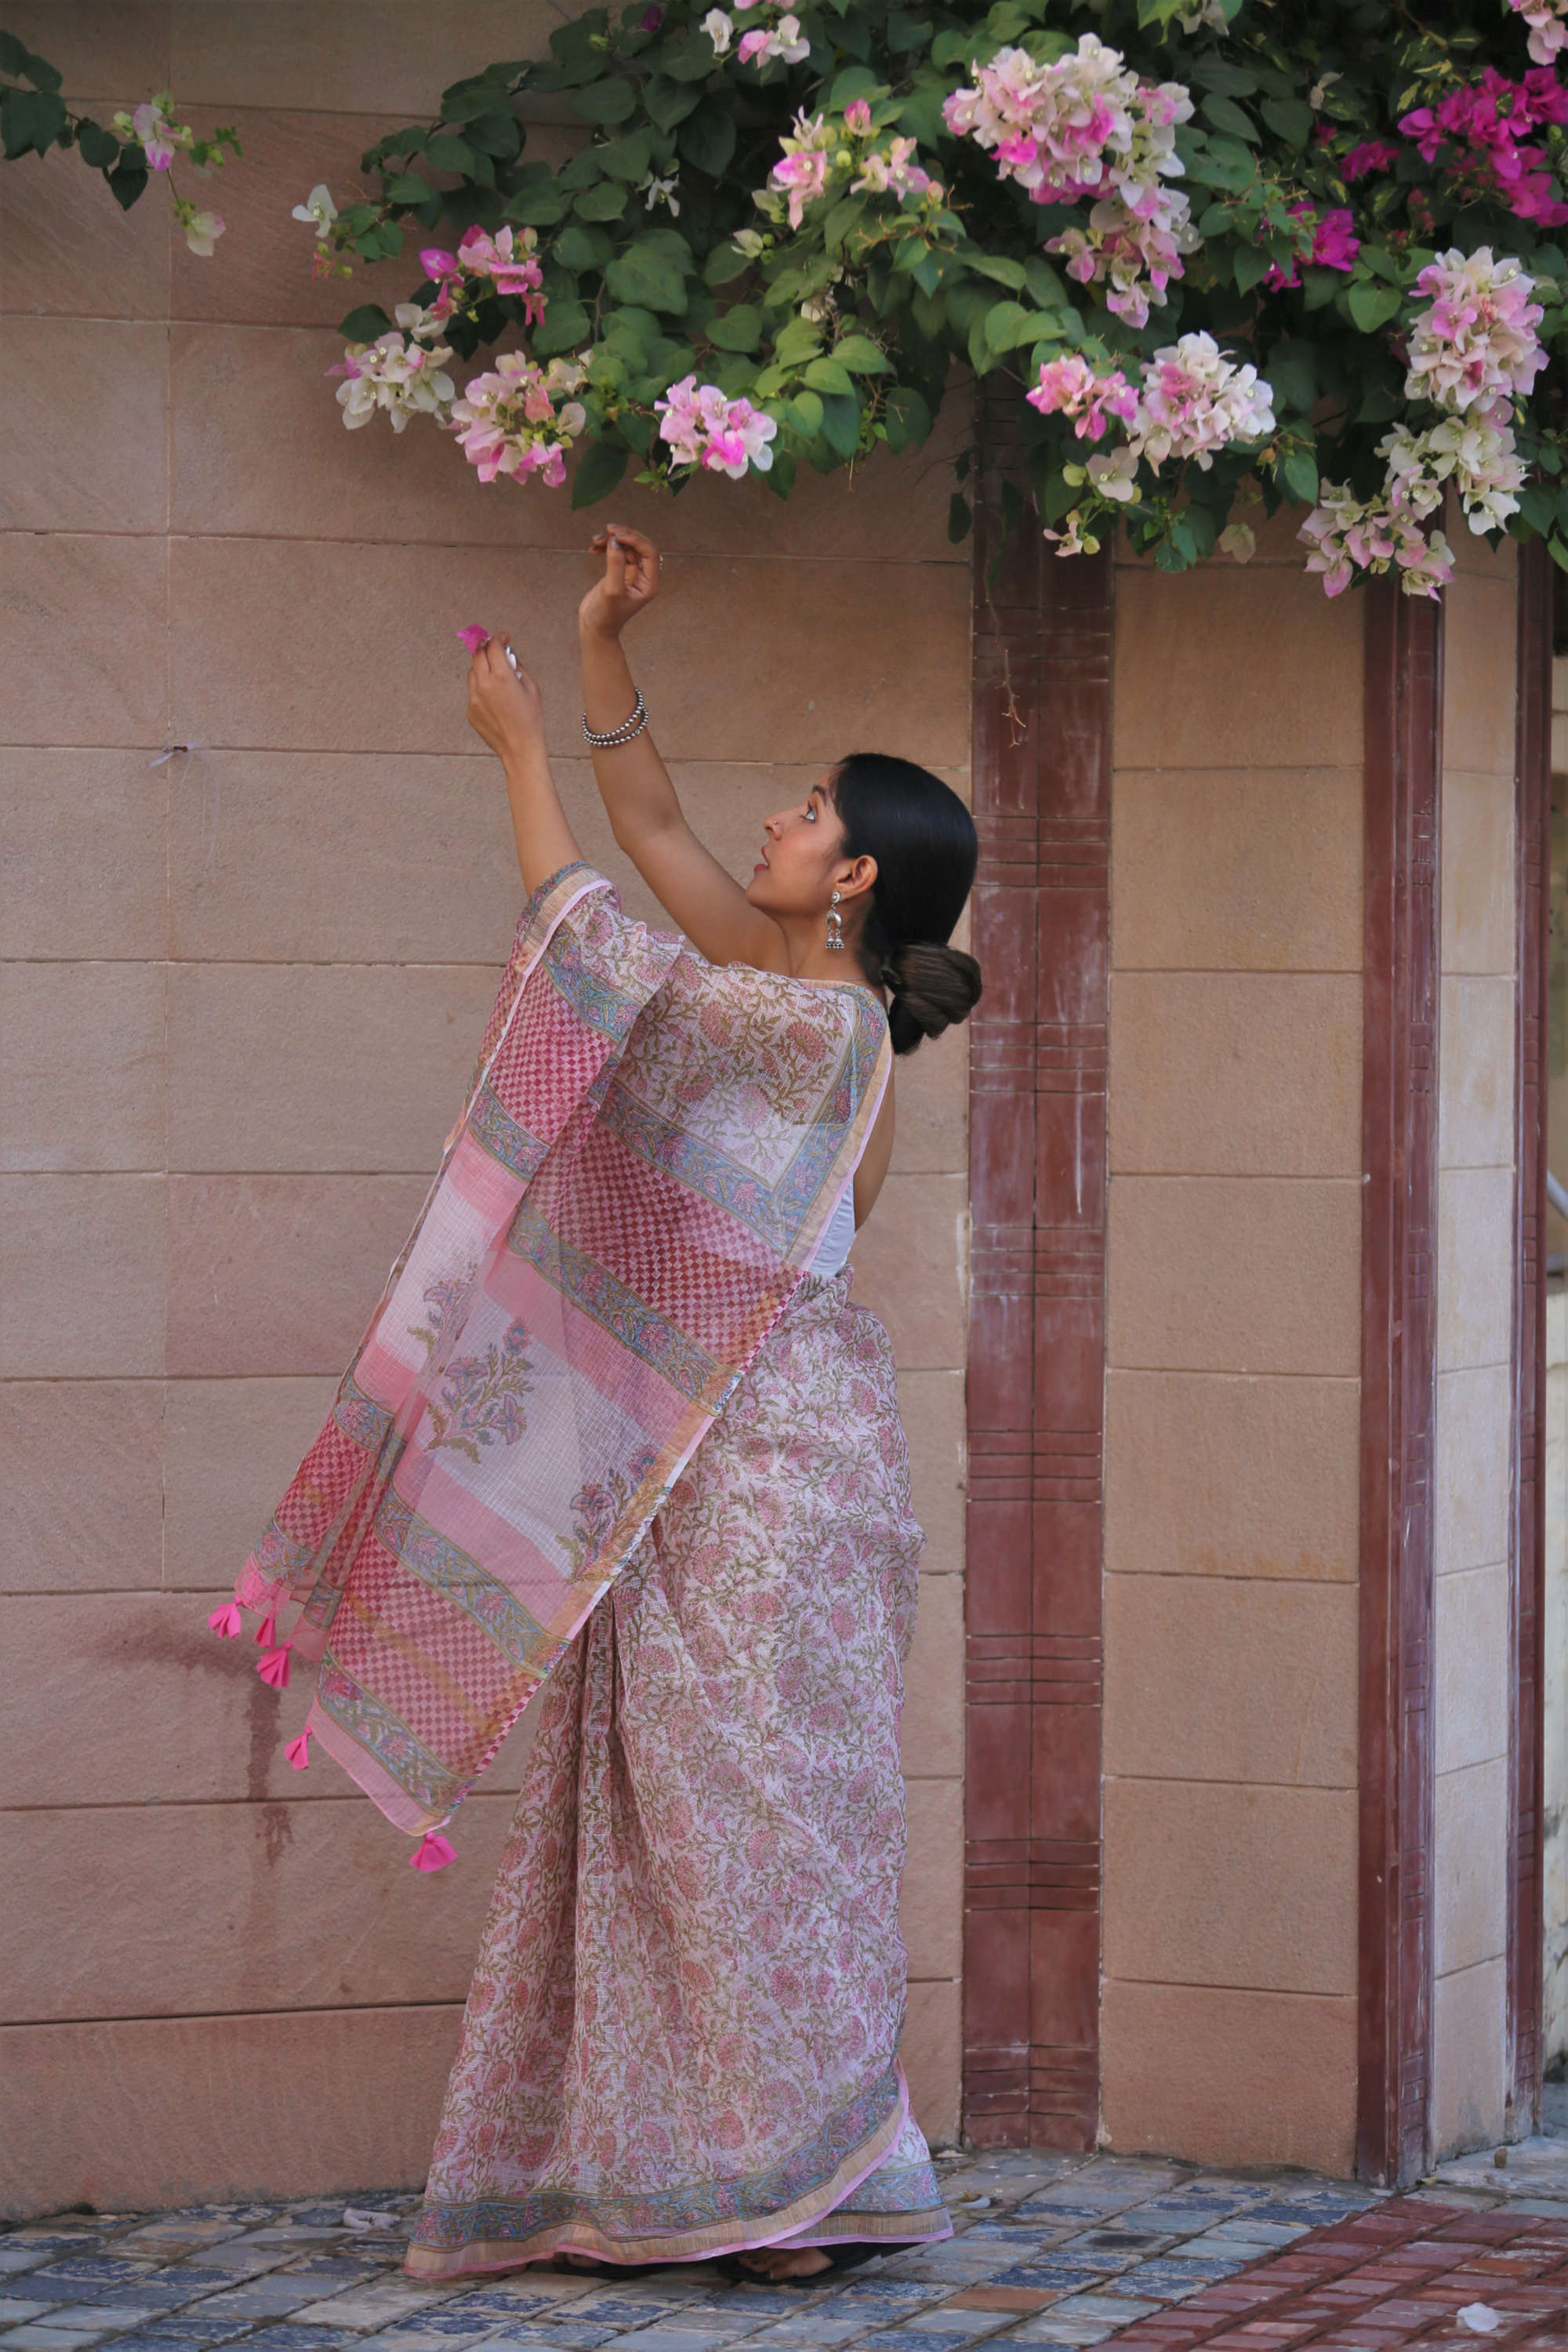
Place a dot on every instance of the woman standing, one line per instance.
(681, 2039)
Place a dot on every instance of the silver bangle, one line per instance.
(623, 733)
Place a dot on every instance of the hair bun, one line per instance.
(931, 986)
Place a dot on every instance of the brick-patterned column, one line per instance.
(1037, 1348)
(1399, 1112)
(1527, 1730)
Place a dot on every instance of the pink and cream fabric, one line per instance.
(650, 1152)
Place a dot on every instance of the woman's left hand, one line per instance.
(506, 709)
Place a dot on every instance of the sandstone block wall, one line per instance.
(1232, 1374)
(243, 986)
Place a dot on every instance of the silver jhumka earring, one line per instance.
(835, 924)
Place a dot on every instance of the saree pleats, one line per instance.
(683, 2034)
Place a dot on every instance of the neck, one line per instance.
(811, 958)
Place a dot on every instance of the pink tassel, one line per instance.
(227, 1619)
(274, 1669)
(268, 1630)
(298, 1751)
(433, 1853)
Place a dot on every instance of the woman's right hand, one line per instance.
(628, 584)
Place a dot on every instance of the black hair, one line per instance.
(926, 848)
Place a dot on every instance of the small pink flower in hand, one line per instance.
(473, 636)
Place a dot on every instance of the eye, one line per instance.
(811, 811)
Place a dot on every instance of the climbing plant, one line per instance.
(139, 144)
(1203, 254)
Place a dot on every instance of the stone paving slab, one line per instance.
(1155, 2256)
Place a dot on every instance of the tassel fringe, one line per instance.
(298, 1751)
(226, 1621)
(267, 1631)
(274, 1667)
(433, 1853)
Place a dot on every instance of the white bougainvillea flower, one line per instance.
(401, 375)
(720, 28)
(202, 229)
(1238, 541)
(317, 209)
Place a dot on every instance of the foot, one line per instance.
(576, 2261)
(785, 2262)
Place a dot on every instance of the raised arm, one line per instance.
(704, 901)
(506, 710)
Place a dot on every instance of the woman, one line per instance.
(681, 2038)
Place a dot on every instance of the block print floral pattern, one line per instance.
(685, 2013)
(481, 1397)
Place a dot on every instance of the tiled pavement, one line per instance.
(1048, 2249)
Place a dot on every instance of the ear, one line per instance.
(858, 879)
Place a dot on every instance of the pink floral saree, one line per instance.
(600, 1375)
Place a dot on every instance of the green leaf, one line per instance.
(577, 247)
(628, 157)
(610, 100)
(582, 170)
(829, 376)
(1251, 262)
(1003, 322)
(1290, 368)
(906, 32)
(1382, 263)
(908, 417)
(707, 138)
(1221, 164)
(666, 102)
(1291, 117)
(959, 519)
(641, 276)
(1001, 268)
(1226, 115)
(496, 135)
(841, 218)
(599, 468)
(860, 355)
(692, 59)
(408, 188)
(13, 56)
(739, 328)
(806, 410)
(128, 179)
(855, 81)
(98, 147)
(1211, 71)
(606, 199)
(538, 206)
(797, 342)
(450, 154)
(1044, 284)
(363, 325)
(841, 423)
(30, 118)
(780, 476)
(1372, 306)
(565, 328)
(1558, 550)
(725, 262)
(1298, 471)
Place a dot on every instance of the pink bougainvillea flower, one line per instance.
(1334, 245)
(1372, 155)
(858, 117)
(701, 427)
(474, 637)
(509, 260)
(154, 129)
(1070, 387)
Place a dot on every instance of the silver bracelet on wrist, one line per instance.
(623, 733)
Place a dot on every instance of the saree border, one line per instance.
(550, 2219)
(1037, 1334)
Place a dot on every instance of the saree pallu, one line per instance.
(649, 1152)
(683, 2034)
